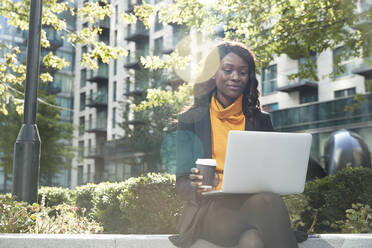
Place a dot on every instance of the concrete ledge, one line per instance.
(157, 241)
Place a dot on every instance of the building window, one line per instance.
(113, 117)
(90, 121)
(84, 50)
(270, 107)
(81, 125)
(345, 92)
(158, 24)
(83, 78)
(80, 174)
(308, 96)
(158, 46)
(116, 38)
(269, 79)
(89, 173)
(116, 14)
(114, 91)
(115, 67)
(345, 66)
(82, 101)
(81, 149)
(127, 85)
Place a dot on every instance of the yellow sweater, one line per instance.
(222, 121)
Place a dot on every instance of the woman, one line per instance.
(227, 101)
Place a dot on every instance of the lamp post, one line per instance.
(26, 161)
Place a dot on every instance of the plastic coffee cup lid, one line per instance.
(206, 161)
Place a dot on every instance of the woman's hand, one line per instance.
(197, 181)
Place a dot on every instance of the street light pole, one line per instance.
(26, 161)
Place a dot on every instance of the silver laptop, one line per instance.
(265, 162)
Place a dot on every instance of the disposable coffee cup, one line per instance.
(207, 168)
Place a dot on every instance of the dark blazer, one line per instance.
(193, 142)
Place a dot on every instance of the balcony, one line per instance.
(131, 4)
(364, 69)
(136, 32)
(104, 24)
(99, 75)
(322, 115)
(50, 89)
(96, 126)
(132, 61)
(98, 100)
(300, 85)
(94, 152)
(140, 87)
(55, 39)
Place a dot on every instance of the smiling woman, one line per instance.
(227, 100)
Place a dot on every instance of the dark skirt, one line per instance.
(217, 220)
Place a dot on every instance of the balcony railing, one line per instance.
(55, 39)
(133, 58)
(94, 152)
(105, 23)
(96, 125)
(99, 75)
(322, 115)
(137, 31)
(97, 100)
(364, 68)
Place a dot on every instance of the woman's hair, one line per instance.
(203, 91)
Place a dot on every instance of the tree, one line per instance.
(56, 152)
(271, 28)
(12, 71)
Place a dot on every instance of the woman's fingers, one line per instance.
(196, 184)
(195, 171)
(196, 177)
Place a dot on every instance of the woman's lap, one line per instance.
(229, 216)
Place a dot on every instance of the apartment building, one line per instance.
(102, 97)
(318, 107)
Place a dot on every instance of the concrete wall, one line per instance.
(157, 241)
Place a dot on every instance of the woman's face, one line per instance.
(231, 78)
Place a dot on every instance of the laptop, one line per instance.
(265, 162)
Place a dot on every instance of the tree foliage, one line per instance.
(56, 153)
(54, 12)
(272, 28)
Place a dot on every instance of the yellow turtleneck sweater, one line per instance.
(222, 121)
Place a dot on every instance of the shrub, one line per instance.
(53, 196)
(15, 217)
(106, 207)
(358, 219)
(20, 217)
(331, 196)
(84, 197)
(62, 219)
(296, 205)
(150, 204)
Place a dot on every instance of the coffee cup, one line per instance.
(207, 168)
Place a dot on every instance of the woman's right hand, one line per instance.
(197, 182)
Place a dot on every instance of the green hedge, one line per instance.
(84, 197)
(150, 204)
(330, 197)
(53, 196)
(106, 207)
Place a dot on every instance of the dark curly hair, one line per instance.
(203, 91)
